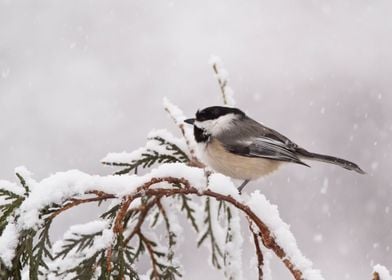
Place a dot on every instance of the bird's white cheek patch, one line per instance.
(216, 126)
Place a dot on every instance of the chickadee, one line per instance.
(238, 146)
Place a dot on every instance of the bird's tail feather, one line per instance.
(329, 159)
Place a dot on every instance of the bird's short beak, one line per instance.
(190, 121)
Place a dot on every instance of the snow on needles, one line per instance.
(8, 243)
(102, 240)
(62, 185)
(269, 214)
(11, 187)
(151, 145)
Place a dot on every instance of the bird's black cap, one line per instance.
(214, 112)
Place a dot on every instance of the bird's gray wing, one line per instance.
(268, 148)
(252, 139)
(265, 147)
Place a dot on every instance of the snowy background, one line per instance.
(79, 79)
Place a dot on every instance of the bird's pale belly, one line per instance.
(235, 166)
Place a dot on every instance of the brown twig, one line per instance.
(376, 276)
(109, 252)
(76, 202)
(142, 216)
(118, 225)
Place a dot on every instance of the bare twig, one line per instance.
(221, 75)
(222, 83)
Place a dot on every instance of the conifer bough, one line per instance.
(139, 207)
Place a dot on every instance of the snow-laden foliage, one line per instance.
(141, 222)
(114, 243)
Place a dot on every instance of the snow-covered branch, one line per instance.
(168, 180)
(141, 220)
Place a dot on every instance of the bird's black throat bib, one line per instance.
(200, 135)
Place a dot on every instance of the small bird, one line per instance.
(237, 146)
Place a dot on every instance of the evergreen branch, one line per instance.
(23, 253)
(77, 244)
(23, 183)
(143, 211)
(124, 256)
(171, 236)
(182, 156)
(229, 233)
(265, 233)
(6, 210)
(216, 251)
(148, 159)
(185, 207)
(111, 213)
(160, 270)
(9, 195)
(41, 251)
(189, 211)
(151, 157)
(86, 268)
(149, 245)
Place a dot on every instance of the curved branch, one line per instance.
(265, 234)
(145, 190)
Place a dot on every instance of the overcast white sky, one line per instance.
(82, 78)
